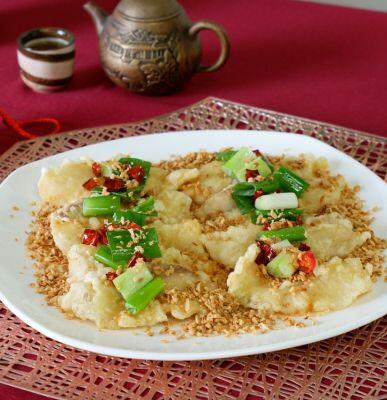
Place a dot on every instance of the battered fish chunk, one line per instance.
(333, 286)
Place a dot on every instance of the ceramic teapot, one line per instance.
(150, 46)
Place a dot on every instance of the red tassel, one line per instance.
(18, 126)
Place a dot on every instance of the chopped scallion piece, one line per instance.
(132, 280)
(242, 160)
(276, 200)
(237, 164)
(282, 266)
(146, 207)
(225, 155)
(139, 300)
(293, 234)
(243, 193)
(101, 205)
(244, 203)
(249, 188)
(107, 170)
(123, 243)
(261, 165)
(104, 256)
(281, 245)
(291, 182)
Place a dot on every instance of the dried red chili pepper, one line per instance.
(103, 237)
(111, 227)
(91, 184)
(303, 247)
(299, 220)
(265, 226)
(257, 153)
(114, 184)
(136, 172)
(96, 168)
(111, 276)
(132, 261)
(250, 174)
(266, 254)
(90, 237)
(132, 225)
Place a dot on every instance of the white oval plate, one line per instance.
(16, 271)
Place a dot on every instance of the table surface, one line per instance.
(321, 62)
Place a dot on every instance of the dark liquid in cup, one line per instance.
(44, 44)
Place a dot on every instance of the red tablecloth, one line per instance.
(316, 61)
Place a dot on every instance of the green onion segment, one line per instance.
(146, 207)
(139, 300)
(225, 155)
(293, 234)
(281, 266)
(101, 205)
(132, 280)
(276, 200)
(291, 182)
(104, 256)
(236, 165)
(262, 166)
(123, 243)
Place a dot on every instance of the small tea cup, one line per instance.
(46, 58)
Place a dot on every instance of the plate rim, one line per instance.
(209, 355)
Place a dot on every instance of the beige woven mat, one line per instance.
(350, 366)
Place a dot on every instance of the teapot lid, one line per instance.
(148, 9)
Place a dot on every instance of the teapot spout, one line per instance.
(98, 14)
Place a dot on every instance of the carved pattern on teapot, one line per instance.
(152, 58)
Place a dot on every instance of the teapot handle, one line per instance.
(224, 42)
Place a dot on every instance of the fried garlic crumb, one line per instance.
(50, 264)
(190, 160)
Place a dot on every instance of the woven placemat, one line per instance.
(350, 366)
